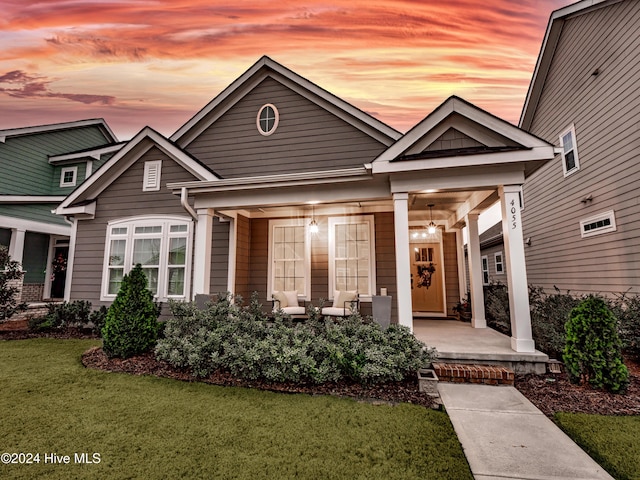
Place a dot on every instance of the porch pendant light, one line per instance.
(431, 228)
(313, 226)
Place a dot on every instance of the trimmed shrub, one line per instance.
(76, 314)
(549, 314)
(496, 306)
(593, 348)
(243, 342)
(627, 309)
(9, 270)
(131, 325)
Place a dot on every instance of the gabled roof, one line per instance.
(16, 132)
(547, 51)
(266, 67)
(121, 161)
(493, 141)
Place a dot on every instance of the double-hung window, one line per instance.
(499, 260)
(352, 255)
(570, 161)
(289, 257)
(160, 245)
(485, 269)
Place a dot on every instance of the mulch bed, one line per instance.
(551, 393)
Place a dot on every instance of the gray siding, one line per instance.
(452, 139)
(450, 253)
(243, 257)
(386, 260)
(605, 110)
(219, 257)
(123, 198)
(308, 138)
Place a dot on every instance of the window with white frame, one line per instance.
(160, 245)
(289, 257)
(267, 119)
(68, 176)
(485, 270)
(604, 222)
(499, 261)
(352, 254)
(570, 161)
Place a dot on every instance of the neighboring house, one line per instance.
(492, 262)
(278, 185)
(40, 166)
(581, 212)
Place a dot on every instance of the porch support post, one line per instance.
(403, 266)
(521, 337)
(478, 319)
(68, 281)
(202, 253)
(16, 244)
(462, 271)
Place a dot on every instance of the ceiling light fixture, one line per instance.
(313, 226)
(431, 228)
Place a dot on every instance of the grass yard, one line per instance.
(146, 427)
(614, 442)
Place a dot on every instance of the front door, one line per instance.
(59, 271)
(427, 279)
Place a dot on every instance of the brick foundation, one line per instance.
(32, 292)
(483, 374)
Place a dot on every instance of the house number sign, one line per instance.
(514, 218)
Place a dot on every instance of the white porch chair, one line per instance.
(345, 303)
(287, 302)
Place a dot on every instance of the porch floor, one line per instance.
(459, 342)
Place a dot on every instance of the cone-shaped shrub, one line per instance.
(131, 326)
(9, 270)
(593, 349)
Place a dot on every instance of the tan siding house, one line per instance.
(581, 211)
(279, 187)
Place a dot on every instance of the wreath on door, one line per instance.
(425, 272)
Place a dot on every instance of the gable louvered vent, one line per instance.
(152, 172)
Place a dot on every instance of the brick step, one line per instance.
(483, 374)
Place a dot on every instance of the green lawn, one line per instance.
(145, 427)
(613, 442)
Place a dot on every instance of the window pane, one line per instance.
(152, 279)
(567, 142)
(178, 228)
(288, 258)
(176, 281)
(115, 280)
(570, 161)
(116, 252)
(177, 251)
(119, 231)
(150, 229)
(146, 251)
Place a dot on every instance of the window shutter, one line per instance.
(152, 172)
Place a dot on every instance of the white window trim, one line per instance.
(291, 222)
(131, 223)
(501, 262)
(610, 214)
(75, 176)
(484, 260)
(275, 124)
(149, 167)
(333, 221)
(572, 130)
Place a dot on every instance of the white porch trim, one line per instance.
(462, 271)
(478, 319)
(16, 244)
(202, 253)
(403, 265)
(521, 336)
(70, 259)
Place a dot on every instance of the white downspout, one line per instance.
(184, 201)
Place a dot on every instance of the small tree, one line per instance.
(9, 270)
(593, 348)
(131, 326)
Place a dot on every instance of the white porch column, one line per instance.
(478, 319)
(16, 245)
(521, 337)
(202, 252)
(462, 271)
(403, 266)
(70, 259)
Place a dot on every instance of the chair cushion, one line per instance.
(294, 310)
(292, 298)
(342, 296)
(335, 312)
(280, 300)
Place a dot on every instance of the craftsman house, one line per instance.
(278, 186)
(40, 166)
(581, 217)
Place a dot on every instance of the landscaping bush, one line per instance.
(593, 348)
(627, 309)
(131, 326)
(496, 306)
(9, 270)
(242, 341)
(549, 314)
(76, 314)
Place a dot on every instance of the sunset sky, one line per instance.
(157, 62)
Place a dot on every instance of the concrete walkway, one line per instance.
(504, 436)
